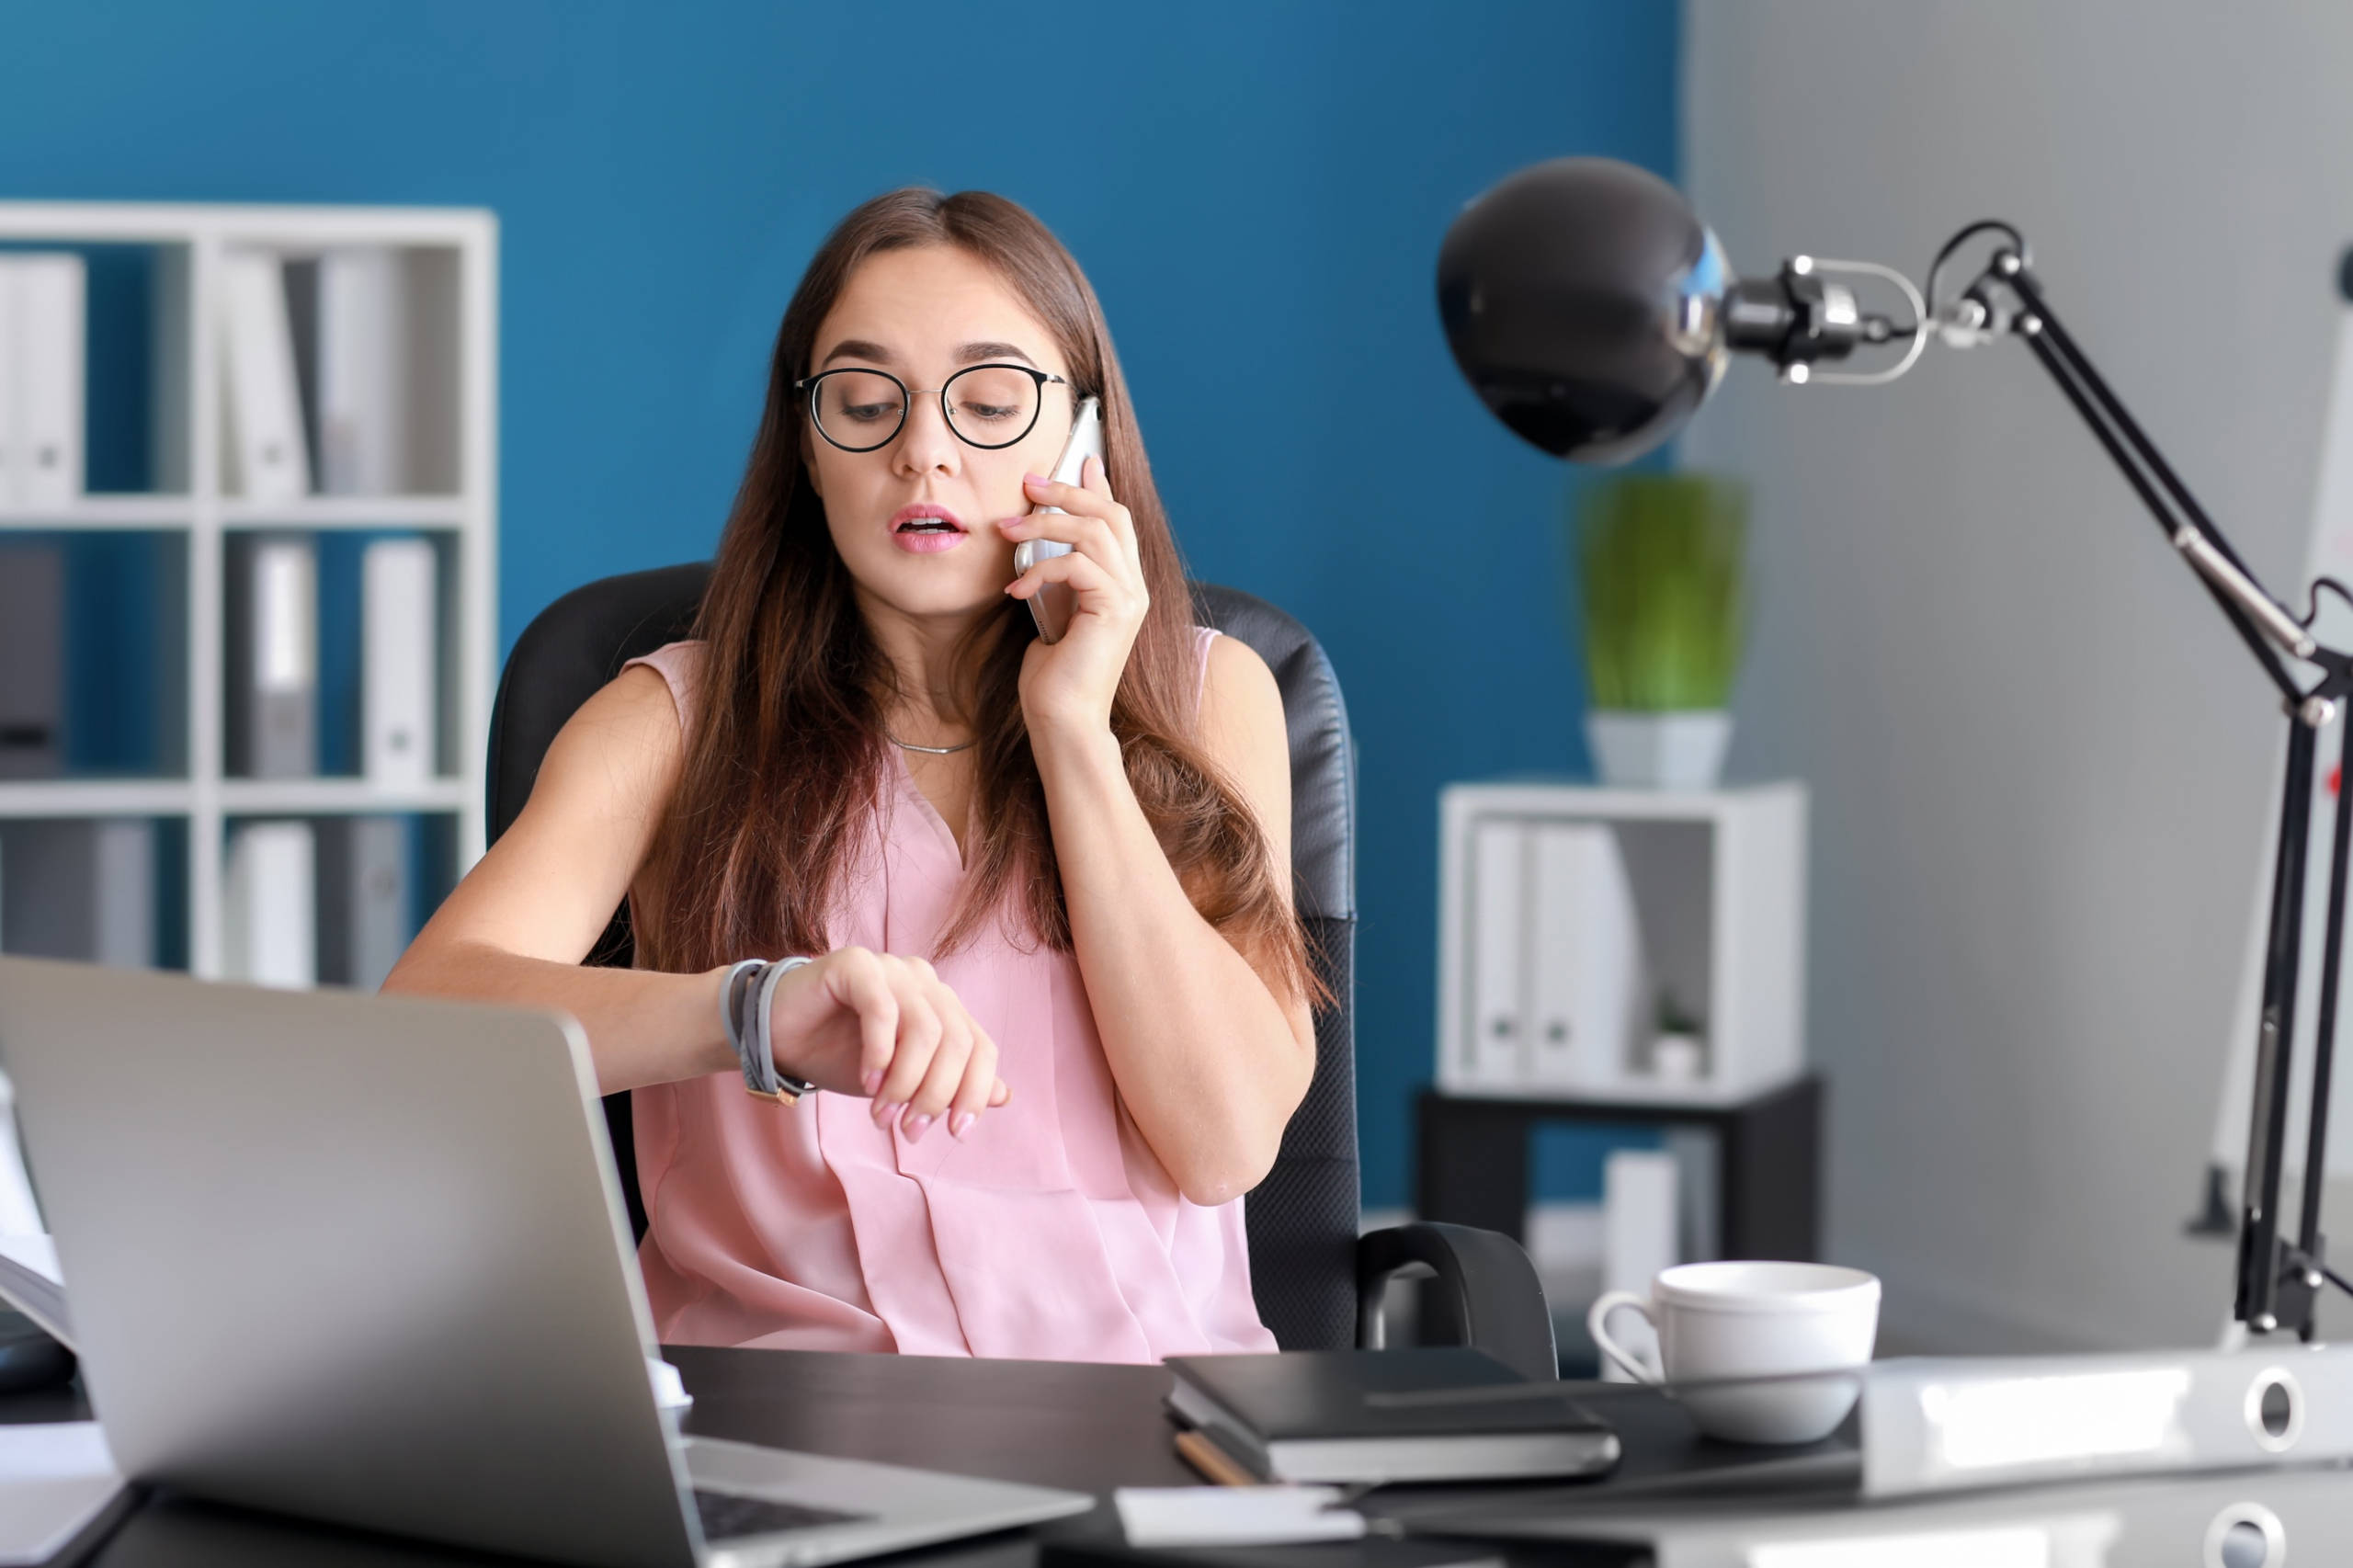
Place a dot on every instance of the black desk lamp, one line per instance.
(1593, 313)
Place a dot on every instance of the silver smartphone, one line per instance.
(1050, 606)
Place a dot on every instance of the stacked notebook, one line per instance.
(1385, 1416)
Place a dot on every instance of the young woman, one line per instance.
(1058, 1011)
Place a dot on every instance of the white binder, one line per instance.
(273, 657)
(363, 900)
(1583, 962)
(1495, 1038)
(398, 658)
(362, 373)
(269, 924)
(264, 459)
(49, 291)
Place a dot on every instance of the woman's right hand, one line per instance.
(859, 1022)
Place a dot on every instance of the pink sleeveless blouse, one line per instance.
(1049, 1232)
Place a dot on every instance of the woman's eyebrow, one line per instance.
(859, 349)
(974, 353)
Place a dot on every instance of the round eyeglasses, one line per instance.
(987, 406)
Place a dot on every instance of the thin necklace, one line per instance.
(931, 751)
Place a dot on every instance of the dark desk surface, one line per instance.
(1088, 1428)
(1081, 1427)
(1085, 1427)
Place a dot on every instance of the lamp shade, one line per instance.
(1584, 301)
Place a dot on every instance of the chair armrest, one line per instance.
(1498, 1303)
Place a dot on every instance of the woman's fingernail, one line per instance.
(960, 1123)
(883, 1111)
(1008, 524)
(871, 1083)
(1040, 480)
(917, 1127)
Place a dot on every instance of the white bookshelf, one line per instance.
(1705, 902)
(455, 253)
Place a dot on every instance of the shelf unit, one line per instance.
(1706, 904)
(191, 503)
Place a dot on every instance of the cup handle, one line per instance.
(1597, 1323)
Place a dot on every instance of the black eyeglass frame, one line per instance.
(807, 387)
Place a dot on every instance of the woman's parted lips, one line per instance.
(925, 512)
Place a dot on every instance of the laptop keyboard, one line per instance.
(726, 1516)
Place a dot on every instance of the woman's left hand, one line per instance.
(1068, 685)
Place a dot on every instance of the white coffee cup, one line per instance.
(1717, 1321)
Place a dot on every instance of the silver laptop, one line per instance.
(364, 1259)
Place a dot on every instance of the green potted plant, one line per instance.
(1659, 559)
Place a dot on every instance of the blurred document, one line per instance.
(53, 1481)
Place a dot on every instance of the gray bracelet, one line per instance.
(735, 997)
(751, 1034)
(731, 998)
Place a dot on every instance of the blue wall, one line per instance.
(1257, 190)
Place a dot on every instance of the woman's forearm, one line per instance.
(643, 1027)
(1202, 1051)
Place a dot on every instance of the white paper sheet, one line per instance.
(1233, 1515)
(53, 1481)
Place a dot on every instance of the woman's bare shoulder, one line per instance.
(1240, 699)
(1244, 733)
(623, 746)
(549, 884)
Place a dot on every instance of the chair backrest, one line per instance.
(1302, 1218)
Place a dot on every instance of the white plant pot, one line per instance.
(1659, 751)
(1678, 1058)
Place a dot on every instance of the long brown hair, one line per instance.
(784, 755)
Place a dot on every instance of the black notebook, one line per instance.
(1387, 1416)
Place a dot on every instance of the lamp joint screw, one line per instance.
(2007, 263)
(2263, 1323)
(2318, 712)
(2029, 325)
(1801, 265)
(1795, 375)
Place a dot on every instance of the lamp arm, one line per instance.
(2278, 1284)
(2331, 957)
(2259, 619)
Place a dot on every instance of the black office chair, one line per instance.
(1318, 1284)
